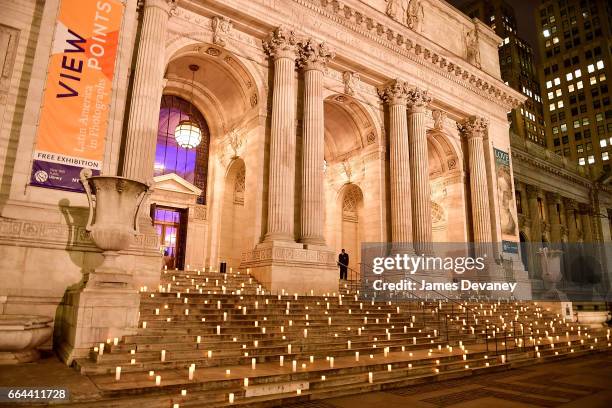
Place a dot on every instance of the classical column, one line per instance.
(313, 58)
(585, 218)
(282, 47)
(419, 170)
(553, 199)
(395, 94)
(533, 193)
(570, 217)
(143, 119)
(474, 129)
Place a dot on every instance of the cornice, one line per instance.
(521, 156)
(418, 50)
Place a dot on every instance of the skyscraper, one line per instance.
(516, 60)
(574, 45)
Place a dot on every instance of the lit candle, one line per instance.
(117, 373)
(231, 397)
(163, 355)
(294, 366)
(253, 363)
(191, 371)
(115, 341)
(101, 349)
(246, 382)
(356, 356)
(370, 377)
(158, 380)
(282, 360)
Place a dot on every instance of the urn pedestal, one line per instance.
(105, 303)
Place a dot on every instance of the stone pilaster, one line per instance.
(570, 216)
(147, 89)
(282, 47)
(395, 94)
(419, 170)
(552, 200)
(474, 129)
(313, 58)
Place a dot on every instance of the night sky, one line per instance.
(524, 10)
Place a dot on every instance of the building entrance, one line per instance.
(171, 226)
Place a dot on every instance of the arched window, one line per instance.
(190, 164)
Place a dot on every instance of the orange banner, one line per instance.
(74, 114)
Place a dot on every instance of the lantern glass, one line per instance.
(188, 134)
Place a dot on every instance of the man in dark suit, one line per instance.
(343, 261)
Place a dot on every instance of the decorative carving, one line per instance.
(439, 118)
(350, 79)
(472, 48)
(221, 27)
(239, 186)
(532, 191)
(396, 92)
(199, 212)
(254, 100)
(215, 52)
(553, 197)
(437, 213)
(235, 142)
(169, 6)
(371, 138)
(415, 15)
(418, 99)
(474, 126)
(282, 43)
(452, 164)
(314, 55)
(395, 9)
(347, 169)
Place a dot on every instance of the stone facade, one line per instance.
(344, 124)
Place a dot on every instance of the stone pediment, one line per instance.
(174, 183)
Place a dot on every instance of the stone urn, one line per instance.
(20, 335)
(114, 205)
(550, 261)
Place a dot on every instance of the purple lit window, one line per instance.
(190, 164)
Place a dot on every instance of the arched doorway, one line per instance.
(183, 172)
(233, 215)
(352, 227)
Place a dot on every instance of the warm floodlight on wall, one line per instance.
(187, 133)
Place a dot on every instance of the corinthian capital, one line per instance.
(314, 55)
(570, 203)
(474, 126)
(395, 92)
(417, 99)
(169, 6)
(532, 191)
(553, 197)
(282, 43)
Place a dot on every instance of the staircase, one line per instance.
(215, 340)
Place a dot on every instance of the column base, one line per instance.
(279, 265)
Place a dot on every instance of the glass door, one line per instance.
(170, 227)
